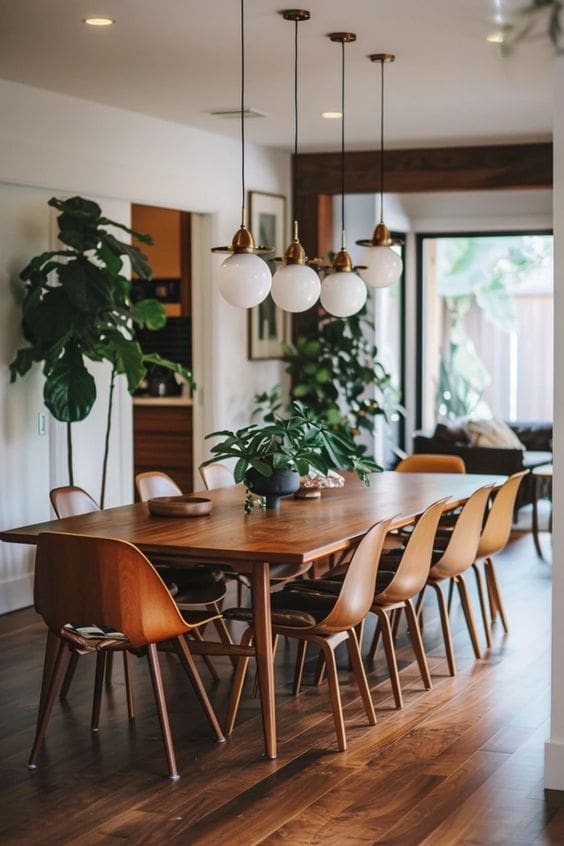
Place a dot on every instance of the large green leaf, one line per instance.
(22, 363)
(128, 358)
(77, 206)
(150, 312)
(87, 287)
(139, 262)
(70, 390)
(49, 319)
(183, 372)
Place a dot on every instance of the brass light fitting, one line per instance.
(243, 242)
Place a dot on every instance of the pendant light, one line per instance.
(382, 265)
(244, 278)
(343, 293)
(295, 285)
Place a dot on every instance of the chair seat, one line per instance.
(194, 585)
(285, 617)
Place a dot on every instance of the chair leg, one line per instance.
(445, 625)
(335, 695)
(69, 675)
(51, 648)
(158, 690)
(388, 641)
(197, 635)
(187, 661)
(360, 675)
(450, 594)
(238, 682)
(482, 600)
(128, 686)
(417, 643)
(396, 613)
(299, 668)
(319, 677)
(109, 667)
(51, 676)
(469, 616)
(101, 658)
(496, 593)
(375, 639)
(222, 630)
(419, 605)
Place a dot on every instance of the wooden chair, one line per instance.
(216, 476)
(70, 501)
(326, 621)
(197, 585)
(452, 562)
(430, 463)
(83, 580)
(494, 538)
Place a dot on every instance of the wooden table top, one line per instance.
(300, 531)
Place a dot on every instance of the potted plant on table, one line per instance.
(270, 459)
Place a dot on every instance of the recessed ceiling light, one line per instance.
(98, 21)
(331, 115)
(495, 38)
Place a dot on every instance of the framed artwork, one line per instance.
(269, 326)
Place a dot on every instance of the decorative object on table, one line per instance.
(77, 307)
(312, 484)
(269, 326)
(383, 265)
(295, 285)
(244, 279)
(342, 291)
(300, 442)
(179, 506)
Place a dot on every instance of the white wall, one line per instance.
(53, 144)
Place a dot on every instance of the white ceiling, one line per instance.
(179, 59)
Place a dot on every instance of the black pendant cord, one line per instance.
(295, 173)
(381, 142)
(342, 145)
(242, 112)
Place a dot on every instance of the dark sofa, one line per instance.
(451, 438)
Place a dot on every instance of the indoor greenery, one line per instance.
(333, 366)
(545, 15)
(77, 307)
(302, 441)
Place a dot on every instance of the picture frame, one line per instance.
(268, 325)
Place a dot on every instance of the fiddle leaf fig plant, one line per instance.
(77, 307)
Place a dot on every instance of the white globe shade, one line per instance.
(343, 293)
(244, 280)
(383, 266)
(295, 287)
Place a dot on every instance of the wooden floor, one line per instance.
(461, 764)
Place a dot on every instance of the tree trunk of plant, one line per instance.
(69, 454)
(107, 438)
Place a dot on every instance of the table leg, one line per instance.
(264, 655)
(536, 516)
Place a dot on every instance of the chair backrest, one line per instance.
(154, 483)
(217, 476)
(357, 591)
(460, 552)
(71, 501)
(497, 528)
(415, 563)
(431, 463)
(86, 580)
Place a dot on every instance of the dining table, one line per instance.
(298, 532)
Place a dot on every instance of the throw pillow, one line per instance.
(492, 433)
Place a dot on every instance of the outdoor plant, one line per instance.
(303, 442)
(77, 307)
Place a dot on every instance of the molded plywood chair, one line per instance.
(431, 464)
(197, 585)
(326, 621)
(71, 501)
(451, 563)
(109, 587)
(216, 476)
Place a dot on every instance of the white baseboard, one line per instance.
(554, 764)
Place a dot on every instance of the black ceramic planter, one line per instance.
(281, 483)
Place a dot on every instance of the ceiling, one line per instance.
(179, 59)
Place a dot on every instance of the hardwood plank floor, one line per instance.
(460, 764)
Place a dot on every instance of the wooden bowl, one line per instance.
(179, 506)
